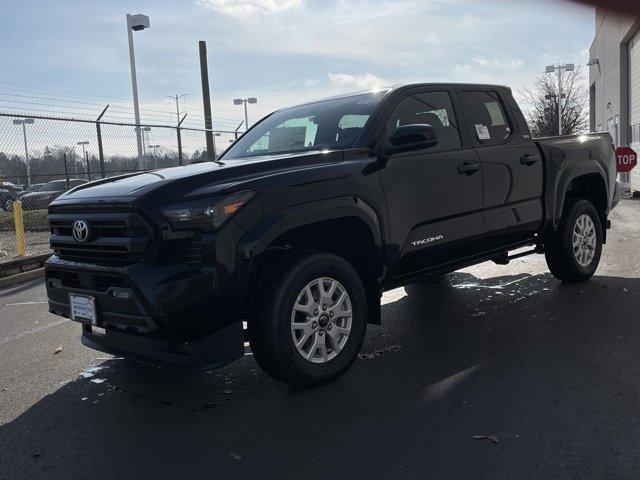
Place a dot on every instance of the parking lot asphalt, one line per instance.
(493, 372)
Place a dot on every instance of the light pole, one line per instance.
(155, 161)
(567, 67)
(145, 141)
(135, 23)
(215, 134)
(240, 101)
(24, 122)
(84, 156)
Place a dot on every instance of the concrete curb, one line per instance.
(21, 277)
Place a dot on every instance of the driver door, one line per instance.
(434, 195)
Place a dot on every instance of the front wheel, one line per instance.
(309, 320)
(573, 251)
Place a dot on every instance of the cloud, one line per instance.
(239, 8)
(366, 81)
(505, 64)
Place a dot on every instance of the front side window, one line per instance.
(330, 124)
(486, 117)
(432, 108)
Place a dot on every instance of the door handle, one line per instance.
(468, 168)
(528, 159)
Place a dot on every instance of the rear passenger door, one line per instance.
(511, 164)
(434, 195)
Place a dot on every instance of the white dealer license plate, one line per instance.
(83, 308)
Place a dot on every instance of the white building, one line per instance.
(614, 81)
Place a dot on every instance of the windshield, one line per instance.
(330, 124)
(35, 187)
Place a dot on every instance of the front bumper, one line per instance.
(169, 314)
(212, 351)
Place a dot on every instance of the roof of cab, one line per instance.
(406, 86)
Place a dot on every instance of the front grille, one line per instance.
(121, 237)
(88, 281)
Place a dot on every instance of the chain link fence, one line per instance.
(42, 157)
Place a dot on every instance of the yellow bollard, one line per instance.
(19, 226)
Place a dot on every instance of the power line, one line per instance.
(63, 109)
(107, 99)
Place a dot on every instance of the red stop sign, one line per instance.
(627, 159)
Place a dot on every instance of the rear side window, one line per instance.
(432, 108)
(487, 118)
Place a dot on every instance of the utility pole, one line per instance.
(85, 156)
(206, 100)
(177, 97)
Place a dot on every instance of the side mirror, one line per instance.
(408, 138)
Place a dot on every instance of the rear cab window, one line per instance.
(486, 117)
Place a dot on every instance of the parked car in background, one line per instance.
(9, 192)
(34, 187)
(48, 193)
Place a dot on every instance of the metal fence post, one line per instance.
(180, 161)
(66, 169)
(100, 151)
(19, 228)
(179, 146)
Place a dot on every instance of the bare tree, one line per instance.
(542, 100)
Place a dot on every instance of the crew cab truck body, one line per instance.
(307, 218)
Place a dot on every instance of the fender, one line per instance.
(258, 238)
(564, 179)
(569, 158)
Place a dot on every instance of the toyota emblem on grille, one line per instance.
(80, 230)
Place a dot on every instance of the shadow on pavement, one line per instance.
(543, 366)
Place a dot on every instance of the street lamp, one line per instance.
(567, 67)
(135, 23)
(240, 101)
(24, 122)
(155, 161)
(86, 158)
(145, 143)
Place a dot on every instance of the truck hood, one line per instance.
(198, 179)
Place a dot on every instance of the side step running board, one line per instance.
(505, 258)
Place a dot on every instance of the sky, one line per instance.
(69, 58)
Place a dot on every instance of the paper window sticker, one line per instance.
(483, 132)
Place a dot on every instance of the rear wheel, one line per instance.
(309, 320)
(573, 251)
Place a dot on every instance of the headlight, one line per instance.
(205, 214)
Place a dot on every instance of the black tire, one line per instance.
(559, 252)
(7, 205)
(270, 332)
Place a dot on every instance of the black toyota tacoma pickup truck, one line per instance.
(306, 219)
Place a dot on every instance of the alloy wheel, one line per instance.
(584, 240)
(321, 320)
